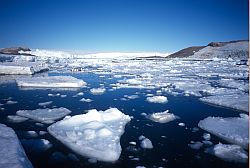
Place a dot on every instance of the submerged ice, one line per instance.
(95, 134)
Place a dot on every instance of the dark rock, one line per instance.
(14, 51)
(186, 52)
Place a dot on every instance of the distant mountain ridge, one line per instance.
(212, 49)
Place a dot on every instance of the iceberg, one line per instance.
(157, 99)
(51, 82)
(12, 153)
(95, 134)
(162, 117)
(230, 153)
(233, 129)
(44, 115)
(22, 68)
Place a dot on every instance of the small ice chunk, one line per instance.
(36, 145)
(11, 102)
(140, 167)
(44, 115)
(16, 118)
(195, 145)
(50, 82)
(230, 153)
(45, 103)
(157, 99)
(12, 153)
(162, 117)
(233, 129)
(146, 144)
(95, 134)
(206, 136)
(132, 143)
(86, 100)
(181, 124)
(97, 91)
(208, 143)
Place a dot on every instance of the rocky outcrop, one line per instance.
(14, 51)
(186, 52)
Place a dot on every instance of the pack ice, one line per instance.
(44, 115)
(12, 153)
(51, 82)
(95, 134)
(233, 129)
(22, 68)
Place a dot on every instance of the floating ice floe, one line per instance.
(230, 153)
(22, 68)
(235, 101)
(44, 115)
(163, 117)
(234, 130)
(11, 102)
(45, 103)
(16, 118)
(157, 99)
(86, 100)
(50, 82)
(181, 124)
(206, 136)
(95, 134)
(12, 153)
(146, 143)
(97, 91)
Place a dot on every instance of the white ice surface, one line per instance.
(21, 68)
(44, 115)
(146, 143)
(234, 130)
(16, 118)
(230, 153)
(162, 117)
(234, 101)
(11, 151)
(95, 134)
(51, 82)
(157, 99)
(97, 91)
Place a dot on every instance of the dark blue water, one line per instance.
(170, 141)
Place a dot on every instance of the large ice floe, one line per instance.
(230, 153)
(162, 117)
(157, 99)
(51, 82)
(12, 153)
(44, 115)
(95, 134)
(234, 129)
(19, 68)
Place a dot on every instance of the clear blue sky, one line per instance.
(121, 25)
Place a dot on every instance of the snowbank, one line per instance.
(44, 115)
(230, 153)
(95, 134)
(12, 153)
(233, 130)
(51, 82)
(22, 68)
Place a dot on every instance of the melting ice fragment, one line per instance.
(230, 153)
(97, 91)
(50, 82)
(44, 115)
(163, 117)
(233, 130)
(157, 99)
(12, 153)
(95, 134)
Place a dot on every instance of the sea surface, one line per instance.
(170, 141)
